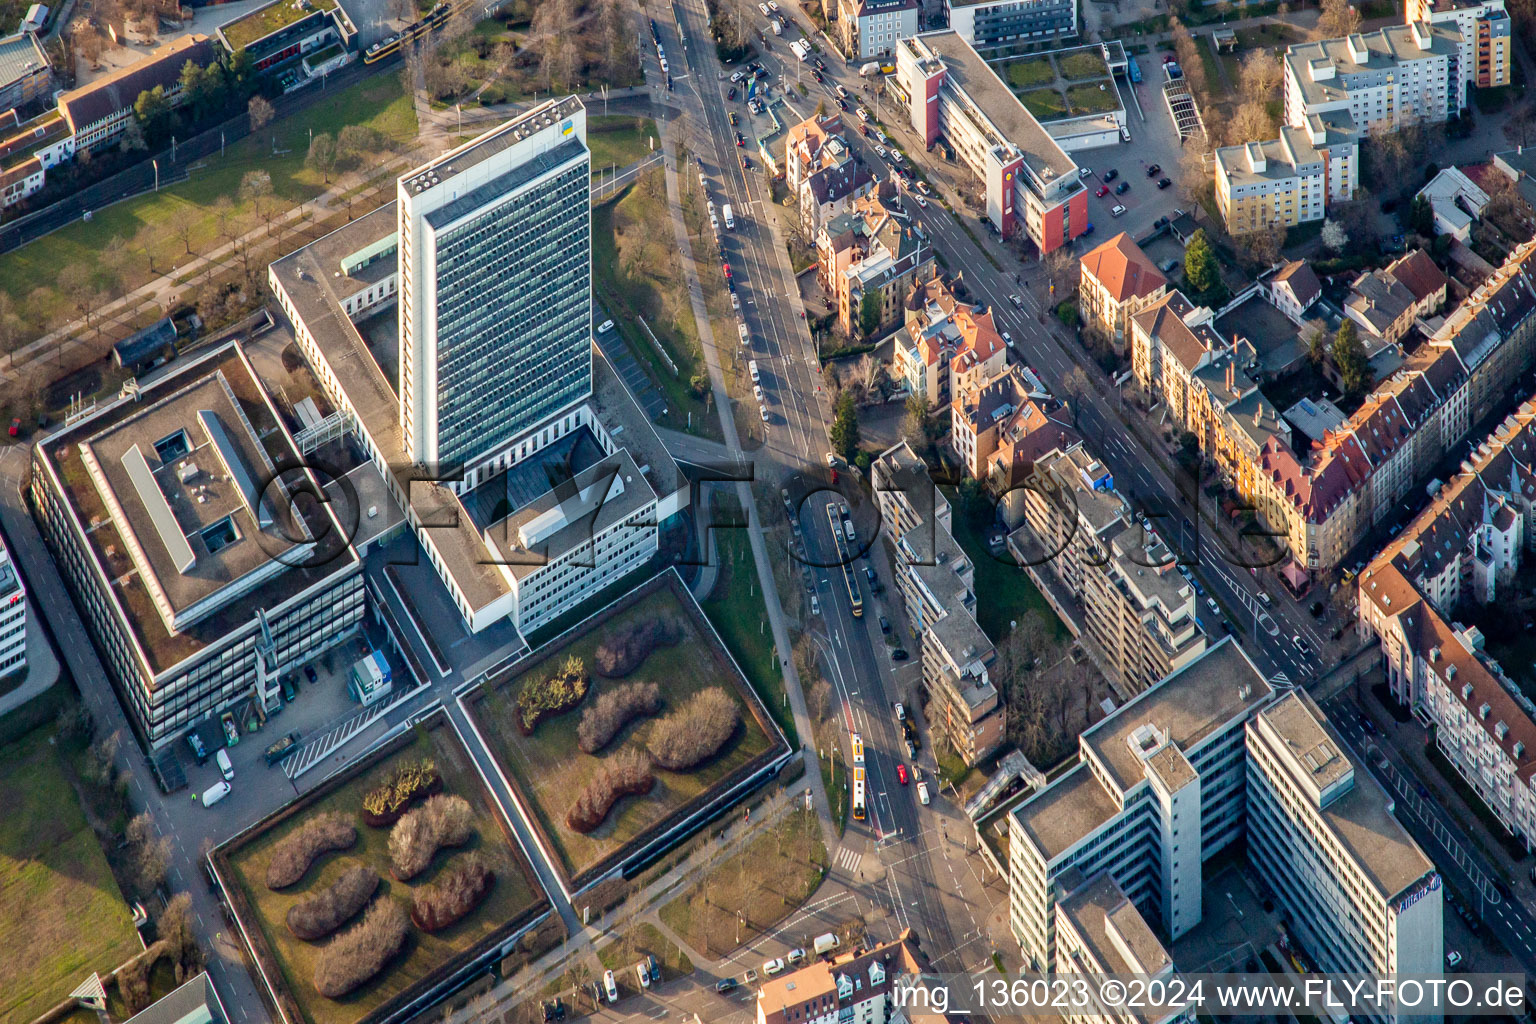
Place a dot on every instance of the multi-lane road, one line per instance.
(907, 846)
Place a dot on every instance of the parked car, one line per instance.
(216, 792)
(899, 654)
(725, 985)
(644, 975)
(16, 427)
(226, 767)
(796, 957)
(922, 794)
(885, 625)
(1111, 174)
(1122, 188)
(1164, 182)
(901, 712)
(1116, 210)
(1101, 191)
(309, 673)
(610, 987)
(1152, 171)
(774, 966)
(1452, 960)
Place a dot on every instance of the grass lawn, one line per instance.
(148, 223)
(550, 770)
(1090, 99)
(619, 141)
(632, 946)
(754, 890)
(1082, 64)
(513, 894)
(58, 900)
(1044, 103)
(1010, 593)
(738, 613)
(637, 273)
(1035, 71)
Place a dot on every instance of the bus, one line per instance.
(850, 582)
(858, 751)
(858, 794)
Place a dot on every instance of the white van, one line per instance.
(752, 369)
(225, 768)
(746, 336)
(824, 944)
(610, 987)
(214, 793)
(922, 793)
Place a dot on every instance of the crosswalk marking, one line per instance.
(848, 859)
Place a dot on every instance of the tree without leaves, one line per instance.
(322, 156)
(261, 112)
(1251, 123)
(1260, 249)
(1337, 18)
(1261, 73)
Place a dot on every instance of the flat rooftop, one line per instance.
(177, 495)
(262, 22)
(1384, 49)
(1361, 816)
(968, 72)
(1062, 814)
(1187, 705)
(315, 283)
(20, 56)
(1113, 929)
(457, 161)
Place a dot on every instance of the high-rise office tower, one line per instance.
(495, 288)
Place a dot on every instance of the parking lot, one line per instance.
(1153, 141)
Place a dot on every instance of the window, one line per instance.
(173, 446)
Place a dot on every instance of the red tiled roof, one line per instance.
(1123, 269)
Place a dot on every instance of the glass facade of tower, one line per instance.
(514, 314)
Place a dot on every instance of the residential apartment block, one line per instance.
(819, 170)
(1484, 26)
(1029, 181)
(1473, 539)
(1325, 500)
(852, 988)
(1382, 80)
(945, 346)
(1385, 303)
(1117, 280)
(1209, 756)
(1290, 180)
(1000, 425)
(873, 249)
(1135, 611)
(871, 28)
(199, 575)
(987, 23)
(562, 484)
(938, 588)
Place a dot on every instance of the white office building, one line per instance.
(521, 462)
(495, 309)
(13, 616)
(1211, 755)
(1359, 894)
